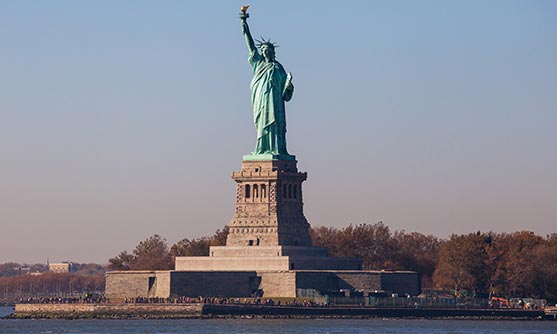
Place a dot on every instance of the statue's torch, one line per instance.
(244, 15)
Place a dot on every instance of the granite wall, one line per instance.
(213, 283)
(274, 283)
(129, 284)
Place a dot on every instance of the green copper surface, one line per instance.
(270, 87)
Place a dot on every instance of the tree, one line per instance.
(89, 269)
(122, 261)
(463, 263)
(10, 269)
(513, 263)
(417, 252)
(544, 260)
(371, 242)
(219, 238)
(151, 254)
(328, 237)
(49, 284)
(194, 247)
(199, 246)
(374, 244)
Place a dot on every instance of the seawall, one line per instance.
(70, 311)
(362, 312)
(194, 310)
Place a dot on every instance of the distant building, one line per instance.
(63, 267)
(24, 270)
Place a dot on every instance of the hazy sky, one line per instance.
(122, 119)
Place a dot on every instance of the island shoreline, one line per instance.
(242, 311)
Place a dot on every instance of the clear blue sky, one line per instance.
(122, 119)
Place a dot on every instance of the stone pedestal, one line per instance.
(268, 230)
(269, 205)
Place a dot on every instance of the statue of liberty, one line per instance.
(270, 87)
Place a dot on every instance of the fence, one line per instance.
(413, 302)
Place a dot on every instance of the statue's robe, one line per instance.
(267, 90)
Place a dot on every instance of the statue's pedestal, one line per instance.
(268, 230)
(269, 205)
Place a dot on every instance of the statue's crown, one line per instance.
(262, 41)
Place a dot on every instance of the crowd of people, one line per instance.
(223, 301)
(84, 299)
(94, 298)
(101, 299)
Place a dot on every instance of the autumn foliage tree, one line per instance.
(193, 247)
(199, 246)
(380, 248)
(524, 264)
(371, 242)
(121, 262)
(463, 263)
(545, 264)
(519, 264)
(417, 252)
(50, 284)
(151, 253)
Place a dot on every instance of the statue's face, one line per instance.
(268, 52)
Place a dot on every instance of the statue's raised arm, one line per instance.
(245, 29)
